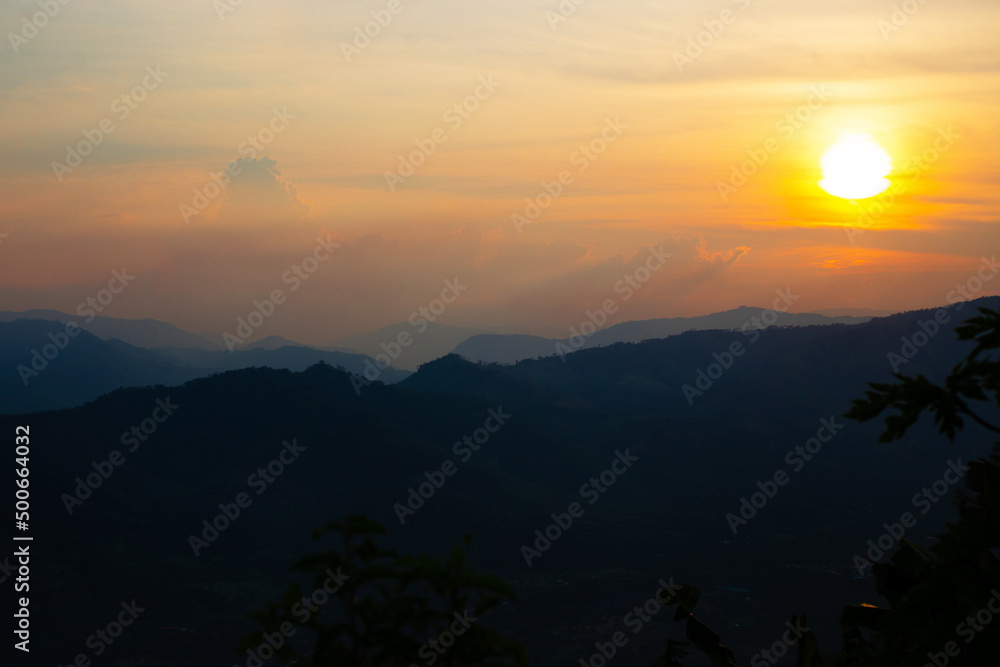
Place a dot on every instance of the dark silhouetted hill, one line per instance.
(501, 348)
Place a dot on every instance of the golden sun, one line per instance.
(855, 168)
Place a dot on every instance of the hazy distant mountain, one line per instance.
(43, 368)
(505, 348)
(277, 342)
(145, 333)
(428, 341)
(269, 343)
(637, 331)
(495, 348)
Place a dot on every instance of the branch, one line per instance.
(982, 422)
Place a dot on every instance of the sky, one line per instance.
(536, 152)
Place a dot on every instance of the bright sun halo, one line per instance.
(855, 168)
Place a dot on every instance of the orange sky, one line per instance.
(328, 130)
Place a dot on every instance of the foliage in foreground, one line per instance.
(940, 596)
(386, 609)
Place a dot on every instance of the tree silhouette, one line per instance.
(941, 599)
(384, 609)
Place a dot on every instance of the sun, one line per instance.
(855, 168)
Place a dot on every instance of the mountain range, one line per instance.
(499, 348)
(430, 341)
(146, 333)
(704, 419)
(47, 368)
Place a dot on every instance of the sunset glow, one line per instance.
(418, 147)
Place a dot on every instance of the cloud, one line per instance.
(259, 193)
